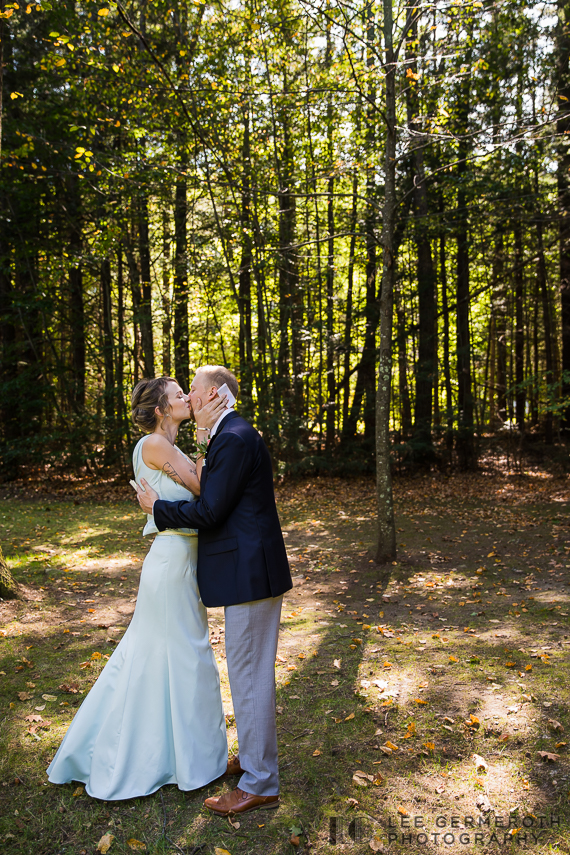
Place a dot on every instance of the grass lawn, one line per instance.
(420, 709)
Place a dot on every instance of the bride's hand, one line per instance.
(208, 415)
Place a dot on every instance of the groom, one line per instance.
(242, 565)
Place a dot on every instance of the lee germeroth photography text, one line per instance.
(442, 830)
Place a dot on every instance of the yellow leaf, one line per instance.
(105, 843)
(349, 717)
(510, 664)
(387, 664)
(429, 745)
(103, 13)
(79, 791)
(116, 68)
(218, 851)
(403, 812)
(96, 655)
(528, 668)
(60, 62)
(420, 701)
(316, 753)
(135, 844)
(452, 659)
(14, 95)
(391, 745)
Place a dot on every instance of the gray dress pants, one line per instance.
(252, 631)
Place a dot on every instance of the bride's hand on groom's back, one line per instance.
(208, 414)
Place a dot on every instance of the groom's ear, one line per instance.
(212, 392)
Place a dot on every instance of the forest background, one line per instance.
(189, 182)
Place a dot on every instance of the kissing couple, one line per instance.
(155, 714)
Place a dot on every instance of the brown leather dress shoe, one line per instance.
(238, 801)
(234, 767)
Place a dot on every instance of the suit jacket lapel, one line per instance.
(222, 426)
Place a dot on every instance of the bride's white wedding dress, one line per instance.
(155, 714)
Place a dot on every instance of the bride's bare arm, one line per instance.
(159, 454)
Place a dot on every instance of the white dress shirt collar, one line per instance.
(220, 420)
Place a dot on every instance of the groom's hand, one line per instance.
(146, 496)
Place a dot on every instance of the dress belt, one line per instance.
(173, 531)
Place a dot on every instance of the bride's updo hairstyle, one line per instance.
(147, 395)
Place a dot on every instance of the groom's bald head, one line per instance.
(217, 375)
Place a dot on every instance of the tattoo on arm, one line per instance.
(169, 470)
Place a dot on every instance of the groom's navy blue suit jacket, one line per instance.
(241, 553)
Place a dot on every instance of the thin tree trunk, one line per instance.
(465, 437)
(246, 264)
(520, 395)
(145, 304)
(446, 348)
(109, 391)
(331, 385)
(562, 36)
(425, 366)
(349, 299)
(403, 383)
(180, 298)
(547, 323)
(386, 548)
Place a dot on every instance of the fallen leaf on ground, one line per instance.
(376, 844)
(336, 663)
(33, 718)
(294, 841)
(480, 763)
(361, 779)
(79, 791)
(391, 745)
(349, 717)
(547, 757)
(473, 721)
(25, 696)
(49, 698)
(135, 844)
(403, 812)
(555, 725)
(218, 851)
(105, 843)
(316, 753)
(352, 802)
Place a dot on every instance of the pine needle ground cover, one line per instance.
(422, 709)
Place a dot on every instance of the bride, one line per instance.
(155, 714)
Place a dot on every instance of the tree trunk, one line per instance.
(403, 384)
(145, 304)
(180, 297)
(520, 395)
(245, 269)
(547, 322)
(425, 367)
(9, 588)
(107, 348)
(563, 179)
(446, 349)
(347, 344)
(386, 548)
(465, 437)
(76, 303)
